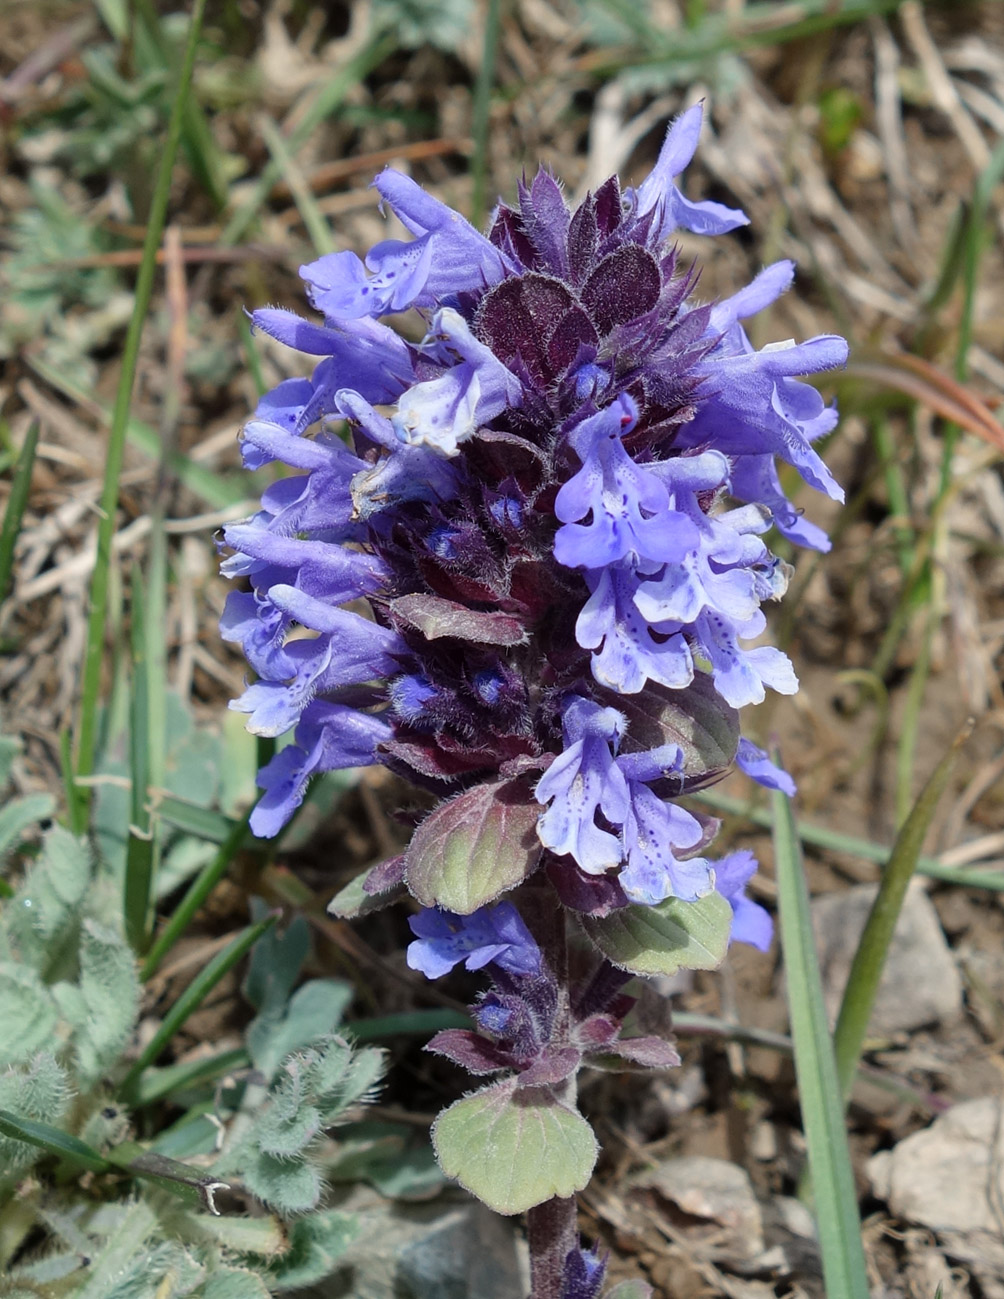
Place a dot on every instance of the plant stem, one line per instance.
(551, 1226)
(550, 1229)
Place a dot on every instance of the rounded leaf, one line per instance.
(474, 847)
(697, 719)
(514, 1149)
(674, 935)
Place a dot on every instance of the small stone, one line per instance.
(715, 1191)
(920, 984)
(941, 1177)
(763, 1142)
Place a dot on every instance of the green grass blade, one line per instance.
(819, 836)
(204, 157)
(869, 959)
(16, 503)
(53, 1141)
(975, 243)
(481, 112)
(193, 1185)
(202, 822)
(158, 1083)
(836, 1206)
(141, 850)
(198, 891)
(94, 651)
(195, 994)
(310, 214)
(412, 1023)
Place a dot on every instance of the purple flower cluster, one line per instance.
(549, 509)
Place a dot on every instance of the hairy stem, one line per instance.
(552, 1236)
(551, 1226)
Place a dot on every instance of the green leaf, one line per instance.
(314, 1011)
(388, 1157)
(40, 1090)
(265, 1237)
(341, 1075)
(409, 1023)
(836, 1206)
(515, 1148)
(110, 996)
(38, 922)
(474, 847)
(316, 1243)
(631, 1290)
(353, 901)
(233, 1283)
(27, 1014)
(275, 966)
(173, 1078)
(52, 1140)
(672, 936)
(21, 814)
(288, 1186)
(141, 852)
(696, 719)
(289, 1123)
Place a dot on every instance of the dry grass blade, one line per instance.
(933, 388)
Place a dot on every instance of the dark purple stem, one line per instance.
(551, 1226)
(552, 1236)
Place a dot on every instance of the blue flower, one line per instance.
(327, 737)
(555, 504)
(751, 923)
(491, 935)
(758, 766)
(583, 780)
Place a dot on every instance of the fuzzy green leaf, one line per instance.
(27, 1014)
(21, 814)
(38, 1091)
(265, 1237)
(290, 1122)
(234, 1283)
(316, 1243)
(288, 1186)
(110, 995)
(633, 1289)
(514, 1149)
(36, 924)
(315, 1010)
(341, 1076)
(672, 936)
(474, 847)
(353, 901)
